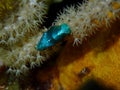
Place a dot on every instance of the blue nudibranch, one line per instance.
(53, 36)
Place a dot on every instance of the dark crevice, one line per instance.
(56, 8)
(94, 84)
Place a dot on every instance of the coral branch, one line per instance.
(88, 17)
(23, 23)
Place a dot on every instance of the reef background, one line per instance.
(93, 65)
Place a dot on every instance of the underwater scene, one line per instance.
(59, 44)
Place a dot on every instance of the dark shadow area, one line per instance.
(94, 84)
(55, 8)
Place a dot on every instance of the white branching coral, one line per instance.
(85, 18)
(27, 57)
(21, 23)
(19, 32)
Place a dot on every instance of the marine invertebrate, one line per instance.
(16, 31)
(19, 34)
(53, 36)
(21, 22)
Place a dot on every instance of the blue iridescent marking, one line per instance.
(53, 36)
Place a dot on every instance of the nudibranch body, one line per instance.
(53, 36)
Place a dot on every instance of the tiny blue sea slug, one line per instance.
(54, 35)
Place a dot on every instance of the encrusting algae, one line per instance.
(94, 24)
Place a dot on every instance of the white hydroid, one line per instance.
(21, 22)
(84, 19)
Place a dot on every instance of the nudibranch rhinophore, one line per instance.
(54, 35)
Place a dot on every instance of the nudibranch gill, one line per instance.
(52, 36)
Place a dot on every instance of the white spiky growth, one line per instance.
(87, 17)
(22, 23)
(27, 57)
(18, 36)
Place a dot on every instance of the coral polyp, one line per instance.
(21, 22)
